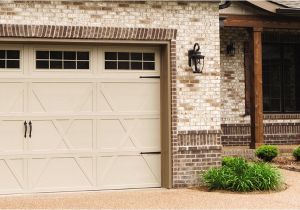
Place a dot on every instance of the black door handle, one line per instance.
(25, 127)
(30, 128)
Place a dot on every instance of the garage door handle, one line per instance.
(149, 153)
(25, 128)
(30, 128)
(149, 77)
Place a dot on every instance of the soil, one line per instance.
(287, 162)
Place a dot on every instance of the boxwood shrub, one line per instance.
(236, 174)
(267, 152)
(296, 153)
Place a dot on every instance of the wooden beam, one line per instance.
(261, 22)
(257, 126)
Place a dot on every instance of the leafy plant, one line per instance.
(296, 153)
(236, 174)
(267, 152)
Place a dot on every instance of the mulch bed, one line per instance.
(287, 162)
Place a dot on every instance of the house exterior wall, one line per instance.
(279, 129)
(196, 105)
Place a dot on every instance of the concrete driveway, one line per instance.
(162, 198)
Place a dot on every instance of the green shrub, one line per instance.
(267, 152)
(239, 175)
(296, 153)
(228, 161)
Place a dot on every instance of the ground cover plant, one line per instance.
(296, 153)
(237, 174)
(267, 152)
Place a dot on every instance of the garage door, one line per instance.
(79, 118)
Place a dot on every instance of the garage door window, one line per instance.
(9, 59)
(62, 60)
(130, 61)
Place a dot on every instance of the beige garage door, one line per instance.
(79, 118)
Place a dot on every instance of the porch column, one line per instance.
(257, 126)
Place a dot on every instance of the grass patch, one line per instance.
(236, 174)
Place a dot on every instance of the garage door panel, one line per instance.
(114, 134)
(12, 97)
(127, 172)
(12, 175)
(129, 97)
(12, 132)
(60, 173)
(61, 97)
(146, 132)
(62, 135)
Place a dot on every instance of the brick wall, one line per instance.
(233, 76)
(275, 133)
(197, 151)
(195, 98)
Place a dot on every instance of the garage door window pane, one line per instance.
(83, 56)
(148, 56)
(69, 55)
(110, 56)
(2, 63)
(123, 65)
(148, 66)
(123, 56)
(62, 59)
(55, 64)
(42, 54)
(129, 61)
(137, 56)
(70, 65)
(56, 55)
(82, 65)
(10, 59)
(42, 64)
(111, 65)
(13, 54)
(2, 54)
(13, 64)
(136, 65)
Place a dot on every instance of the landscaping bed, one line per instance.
(287, 162)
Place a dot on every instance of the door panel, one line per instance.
(12, 97)
(60, 173)
(61, 97)
(12, 175)
(12, 136)
(129, 96)
(130, 171)
(61, 135)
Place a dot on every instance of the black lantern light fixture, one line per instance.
(195, 58)
(230, 49)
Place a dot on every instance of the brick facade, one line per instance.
(275, 133)
(196, 113)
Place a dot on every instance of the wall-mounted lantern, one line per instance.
(230, 49)
(195, 58)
